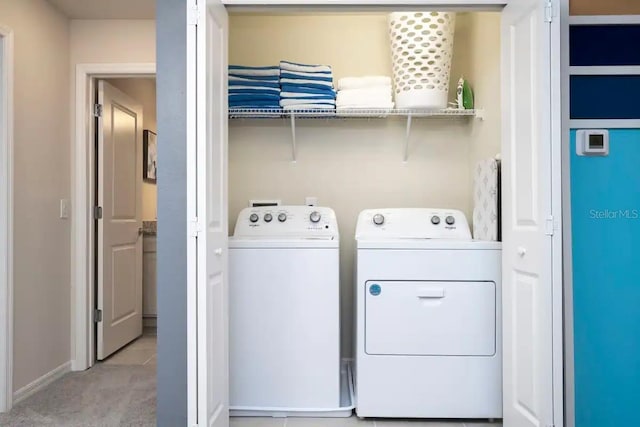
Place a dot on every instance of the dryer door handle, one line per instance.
(431, 293)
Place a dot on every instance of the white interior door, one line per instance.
(211, 224)
(527, 248)
(119, 239)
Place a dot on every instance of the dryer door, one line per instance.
(425, 318)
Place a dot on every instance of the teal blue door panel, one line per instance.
(605, 215)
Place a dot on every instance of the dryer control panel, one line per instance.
(287, 221)
(413, 223)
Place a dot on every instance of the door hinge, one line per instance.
(194, 228)
(193, 14)
(97, 212)
(549, 226)
(548, 12)
(97, 110)
(97, 315)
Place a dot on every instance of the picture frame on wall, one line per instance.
(150, 156)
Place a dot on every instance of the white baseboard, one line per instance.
(40, 383)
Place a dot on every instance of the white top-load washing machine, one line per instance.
(428, 317)
(284, 311)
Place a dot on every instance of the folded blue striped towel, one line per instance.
(304, 68)
(257, 78)
(306, 82)
(302, 95)
(307, 76)
(272, 70)
(254, 104)
(246, 97)
(250, 92)
(234, 81)
(323, 90)
(253, 89)
(309, 107)
(254, 80)
(323, 102)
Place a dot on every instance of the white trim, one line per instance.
(604, 123)
(82, 295)
(604, 20)
(6, 219)
(191, 145)
(38, 384)
(604, 70)
(557, 324)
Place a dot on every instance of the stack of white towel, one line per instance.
(306, 87)
(368, 92)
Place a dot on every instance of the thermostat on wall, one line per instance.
(592, 142)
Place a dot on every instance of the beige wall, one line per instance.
(109, 41)
(351, 165)
(601, 7)
(482, 36)
(143, 90)
(41, 178)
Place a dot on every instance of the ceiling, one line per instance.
(107, 9)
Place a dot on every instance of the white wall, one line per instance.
(351, 165)
(41, 172)
(143, 90)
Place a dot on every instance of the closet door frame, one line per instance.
(558, 140)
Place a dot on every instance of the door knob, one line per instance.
(218, 251)
(522, 251)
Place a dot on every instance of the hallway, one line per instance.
(121, 391)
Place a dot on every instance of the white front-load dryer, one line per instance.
(428, 333)
(284, 311)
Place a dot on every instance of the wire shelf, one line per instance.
(271, 113)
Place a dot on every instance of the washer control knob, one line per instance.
(268, 217)
(450, 220)
(435, 220)
(378, 219)
(315, 216)
(282, 217)
(254, 217)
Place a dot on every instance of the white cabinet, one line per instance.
(149, 287)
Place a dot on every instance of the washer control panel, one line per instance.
(287, 221)
(413, 223)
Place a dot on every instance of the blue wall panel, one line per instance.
(605, 198)
(605, 97)
(604, 45)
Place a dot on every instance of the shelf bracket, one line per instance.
(480, 114)
(407, 136)
(294, 149)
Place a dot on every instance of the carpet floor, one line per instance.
(103, 396)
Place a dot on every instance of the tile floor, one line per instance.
(354, 422)
(142, 351)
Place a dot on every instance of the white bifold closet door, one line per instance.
(528, 392)
(208, 211)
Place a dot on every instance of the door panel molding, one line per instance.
(84, 198)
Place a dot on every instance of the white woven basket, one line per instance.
(421, 46)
